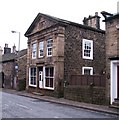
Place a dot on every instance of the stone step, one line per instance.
(36, 93)
(114, 106)
(116, 100)
(116, 103)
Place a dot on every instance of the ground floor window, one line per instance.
(49, 77)
(87, 70)
(32, 77)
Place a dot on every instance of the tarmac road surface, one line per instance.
(15, 106)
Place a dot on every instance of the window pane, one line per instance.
(34, 82)
(49, 47)
(46, 71)
(51, 82)
(34, 49)
(86, 71)
(34, 71)
(49, 77)
(41, 47)
(33, 76)
(47, 82)
(31, 72)
(51, 72)
(87, 48)
(31, 82)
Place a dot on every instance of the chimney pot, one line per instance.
(92, 21)
(96, 13)
(6, 49)
(14, 49)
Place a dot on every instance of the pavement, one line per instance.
(94, 107)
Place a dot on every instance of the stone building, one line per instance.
(58, 48)
(14, 66)
(112, 55)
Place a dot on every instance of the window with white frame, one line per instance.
(32, 77)
(49, 47)
(87, 49)
(87, 70)
(49, 77)
(41, 49)
(34, 50)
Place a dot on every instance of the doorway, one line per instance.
(114, 83)
(118, 82)
(40, 74)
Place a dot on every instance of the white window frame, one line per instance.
(34, 50)
(91, 50)
(41, 48)
(89, 68)
(50, 88)
(49, 47)
(33, 76)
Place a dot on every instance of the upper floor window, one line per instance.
(34, 50)
(87, 49)
(41, 49)
(87, 70)
(49, 47)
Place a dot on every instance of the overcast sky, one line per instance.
(17, 15)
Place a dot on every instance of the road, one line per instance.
(14, 106)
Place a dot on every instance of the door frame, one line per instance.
(117, 81)
(41, 73)
(113, 81)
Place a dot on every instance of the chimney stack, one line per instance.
(92, 21)
(14, 49)
(6, 49)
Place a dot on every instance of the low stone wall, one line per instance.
(88, 94)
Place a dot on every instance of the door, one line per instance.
(40, 79)
(117, 81)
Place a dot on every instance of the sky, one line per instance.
(17, 15)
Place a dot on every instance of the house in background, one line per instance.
(112, 56)
(58, 48)
(1, 67)
(13, 66)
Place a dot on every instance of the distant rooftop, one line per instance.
(109, 16)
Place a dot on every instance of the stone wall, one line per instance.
(73, 61)
(88, 94)
(112, 49)
(22, 67)
(22, 63)
(8, 69)
(56, 61)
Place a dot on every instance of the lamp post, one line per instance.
(19, 39)
(17, 63)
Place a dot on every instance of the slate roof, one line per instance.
(13, 56)
(8, 57)
(58, 21)
(22, 52)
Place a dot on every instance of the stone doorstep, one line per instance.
(36, 93)
(115, 104)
